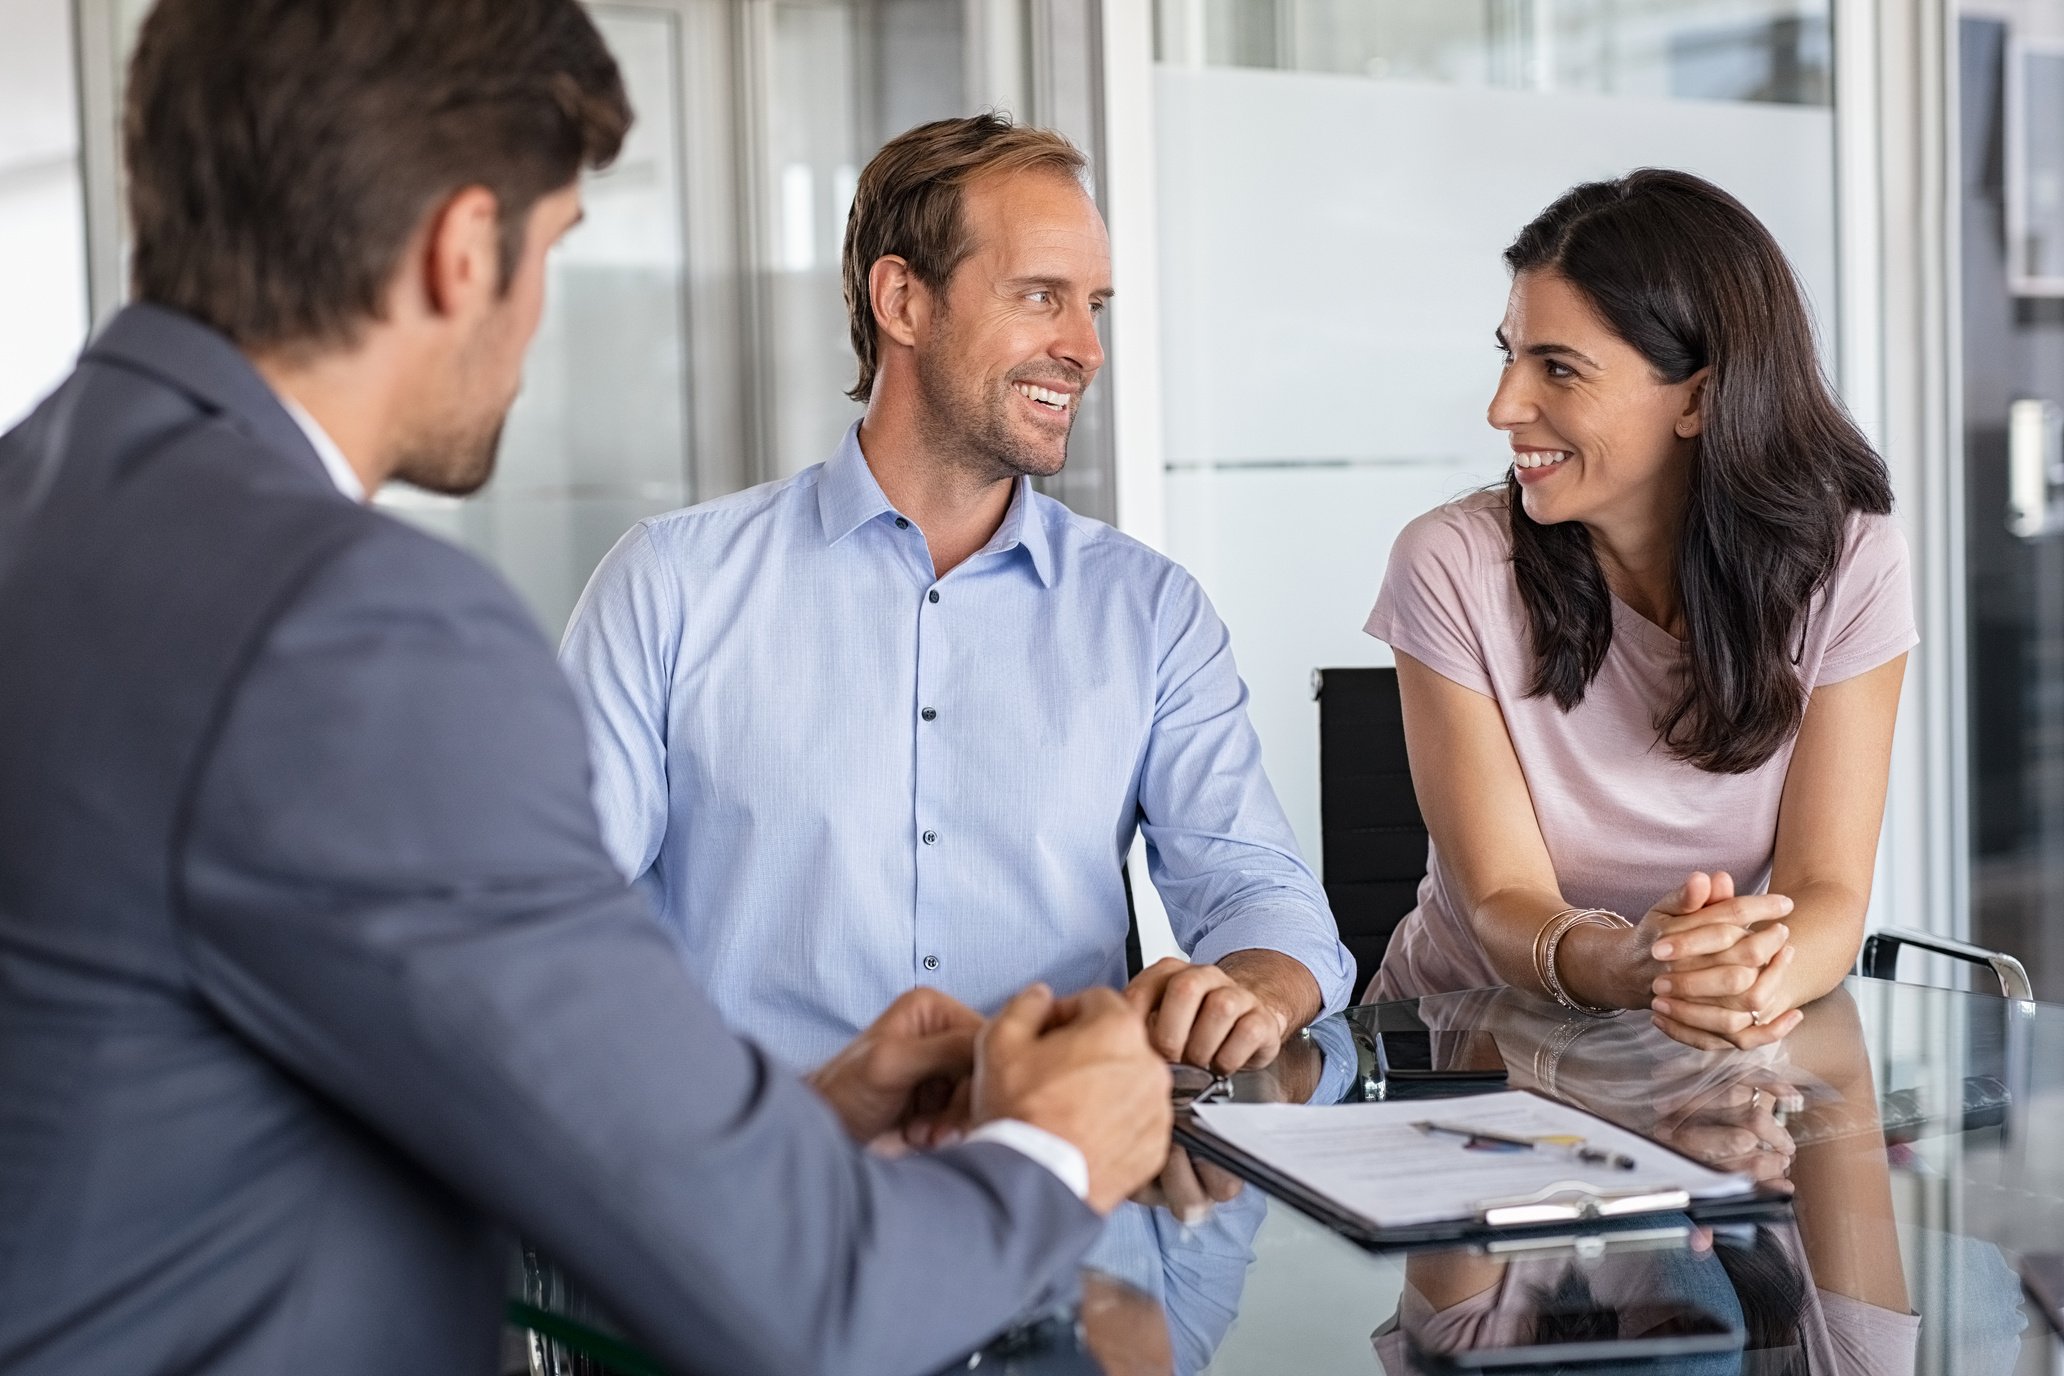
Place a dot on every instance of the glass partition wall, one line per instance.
(1336, 180)
(694, 340)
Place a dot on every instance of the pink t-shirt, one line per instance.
(1623, 819)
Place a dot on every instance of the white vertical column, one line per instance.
(1132, 200)
(1899, 352)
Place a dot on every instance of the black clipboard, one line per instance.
(1578, 1209)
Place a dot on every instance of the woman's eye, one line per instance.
(1555, 369)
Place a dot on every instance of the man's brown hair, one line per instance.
(280, 153)
(908, 205)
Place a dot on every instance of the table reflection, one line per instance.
(1906, 1129)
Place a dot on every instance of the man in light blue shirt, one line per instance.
(896, 720)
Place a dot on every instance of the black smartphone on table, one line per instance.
(1416, 1062)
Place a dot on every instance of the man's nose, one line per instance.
(1080, 344)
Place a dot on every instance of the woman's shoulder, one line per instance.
(1872, 540)
(1471, 532)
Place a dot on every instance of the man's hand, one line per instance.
(1081, 1069)
(1226, 1017)
(901, 1072)
(1190, 1187)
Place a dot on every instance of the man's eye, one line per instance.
(1042, 297)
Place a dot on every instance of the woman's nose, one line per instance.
(1511, 406)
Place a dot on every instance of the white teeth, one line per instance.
(1056, 400)
(1538, 458)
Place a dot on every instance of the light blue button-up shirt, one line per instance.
(840, 776)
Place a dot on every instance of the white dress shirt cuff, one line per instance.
(1057, 1154)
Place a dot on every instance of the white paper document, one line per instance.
(1370, 1160)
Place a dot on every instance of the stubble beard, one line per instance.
(968, 426)
(453, 458)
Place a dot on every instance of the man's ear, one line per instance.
(902, 304)
(462, 254)
(1691, 421)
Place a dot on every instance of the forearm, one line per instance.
(1598, 965)
(1826, 923)
(1280, 982)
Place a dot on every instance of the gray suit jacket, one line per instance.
(315, 976)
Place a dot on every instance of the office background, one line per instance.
(1307, 200)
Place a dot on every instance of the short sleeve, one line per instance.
(1869, 602)
(1431, 594)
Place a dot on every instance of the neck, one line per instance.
(958, 506)
(1639, 559)
(351, 398)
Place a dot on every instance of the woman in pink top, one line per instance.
(1670, 646)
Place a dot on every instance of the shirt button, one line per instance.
(930, 713)
(931, 962)
(902, 523)
(930, 837)
(933, 595)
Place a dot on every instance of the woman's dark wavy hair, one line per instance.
(1685, 274)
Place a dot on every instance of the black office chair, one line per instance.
(1369, 824)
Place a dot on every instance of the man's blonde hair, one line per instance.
(908, 205)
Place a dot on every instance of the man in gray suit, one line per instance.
(315, 976)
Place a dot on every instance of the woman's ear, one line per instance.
(1692, 419)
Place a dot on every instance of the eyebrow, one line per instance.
(1547, 350)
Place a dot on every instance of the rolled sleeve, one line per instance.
(1219, 848)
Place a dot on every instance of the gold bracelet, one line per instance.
(1561, 926)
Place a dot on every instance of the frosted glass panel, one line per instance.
(1327, 310)
(1753, 50)
(599, 436)
(846, 78)
(42, 222)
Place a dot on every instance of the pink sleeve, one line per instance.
(1869, 601)
(1432, 596)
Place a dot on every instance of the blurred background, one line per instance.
(1307, 200)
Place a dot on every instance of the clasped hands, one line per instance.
(1090, 1068)
(1722, 960)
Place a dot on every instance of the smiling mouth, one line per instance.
(1538, 458)
(1044, 397)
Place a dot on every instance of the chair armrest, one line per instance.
(1880, 958)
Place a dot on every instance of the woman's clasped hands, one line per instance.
(1723, 958)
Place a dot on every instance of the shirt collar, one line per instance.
(848, 497)
(333, 461)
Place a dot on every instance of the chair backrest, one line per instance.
(1373, 836)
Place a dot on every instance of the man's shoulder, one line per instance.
(761, 506)
(1083, 544)
(393, 578)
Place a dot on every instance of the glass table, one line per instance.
(1917, 1133)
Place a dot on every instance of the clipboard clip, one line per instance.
(1574, 1201)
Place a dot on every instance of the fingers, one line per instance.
(1701, 1025)
(1020, 1021)
(1145, 990)
(1689, 897)
(1254, 1041)
(1175, 1016)
(1755, 948)
(1718, 927)
(1205, 1017)
(924, 1010)
(1728, 974)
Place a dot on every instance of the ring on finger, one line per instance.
(1758, 1016)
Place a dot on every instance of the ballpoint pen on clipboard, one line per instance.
(1484, 1139)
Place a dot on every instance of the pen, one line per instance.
(1576, 1146)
